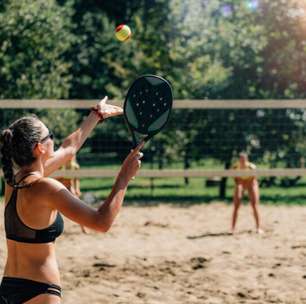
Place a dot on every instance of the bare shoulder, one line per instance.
(51, 192)
(48, 186)
(56, 196)
(49, 181)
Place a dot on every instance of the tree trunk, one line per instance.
(186, 165)
(222, 189)
(160, 160)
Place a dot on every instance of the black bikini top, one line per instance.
(16, 230)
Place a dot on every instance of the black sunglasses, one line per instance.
(50, 135)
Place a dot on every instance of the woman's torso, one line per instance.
(245, 180)
(27, 260)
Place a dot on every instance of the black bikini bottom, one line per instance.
(17, 290)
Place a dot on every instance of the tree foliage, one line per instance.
(34, 37)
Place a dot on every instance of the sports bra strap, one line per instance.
(18, 186)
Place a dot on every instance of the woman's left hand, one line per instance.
(108, 110)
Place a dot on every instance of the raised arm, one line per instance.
(102, 218)
(74, 141)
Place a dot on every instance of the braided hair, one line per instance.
(17, 143)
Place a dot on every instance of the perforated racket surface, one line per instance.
(147, 107)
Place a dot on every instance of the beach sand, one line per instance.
(184, 254)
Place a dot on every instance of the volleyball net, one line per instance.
(203, 137)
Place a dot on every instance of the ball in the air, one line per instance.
(123, 32)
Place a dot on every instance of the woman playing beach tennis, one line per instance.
(250, 184)
(33, 203)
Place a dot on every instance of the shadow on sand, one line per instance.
(225, 233)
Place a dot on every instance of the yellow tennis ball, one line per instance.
(123, 32)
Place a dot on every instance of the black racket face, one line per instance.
(147, 106)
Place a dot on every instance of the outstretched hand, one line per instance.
(108, 110)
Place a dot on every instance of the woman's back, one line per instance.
(31, 227)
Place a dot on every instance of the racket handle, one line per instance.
(137, 143)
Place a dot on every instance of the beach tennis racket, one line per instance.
(147, 107)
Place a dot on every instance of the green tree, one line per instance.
(34, 37)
